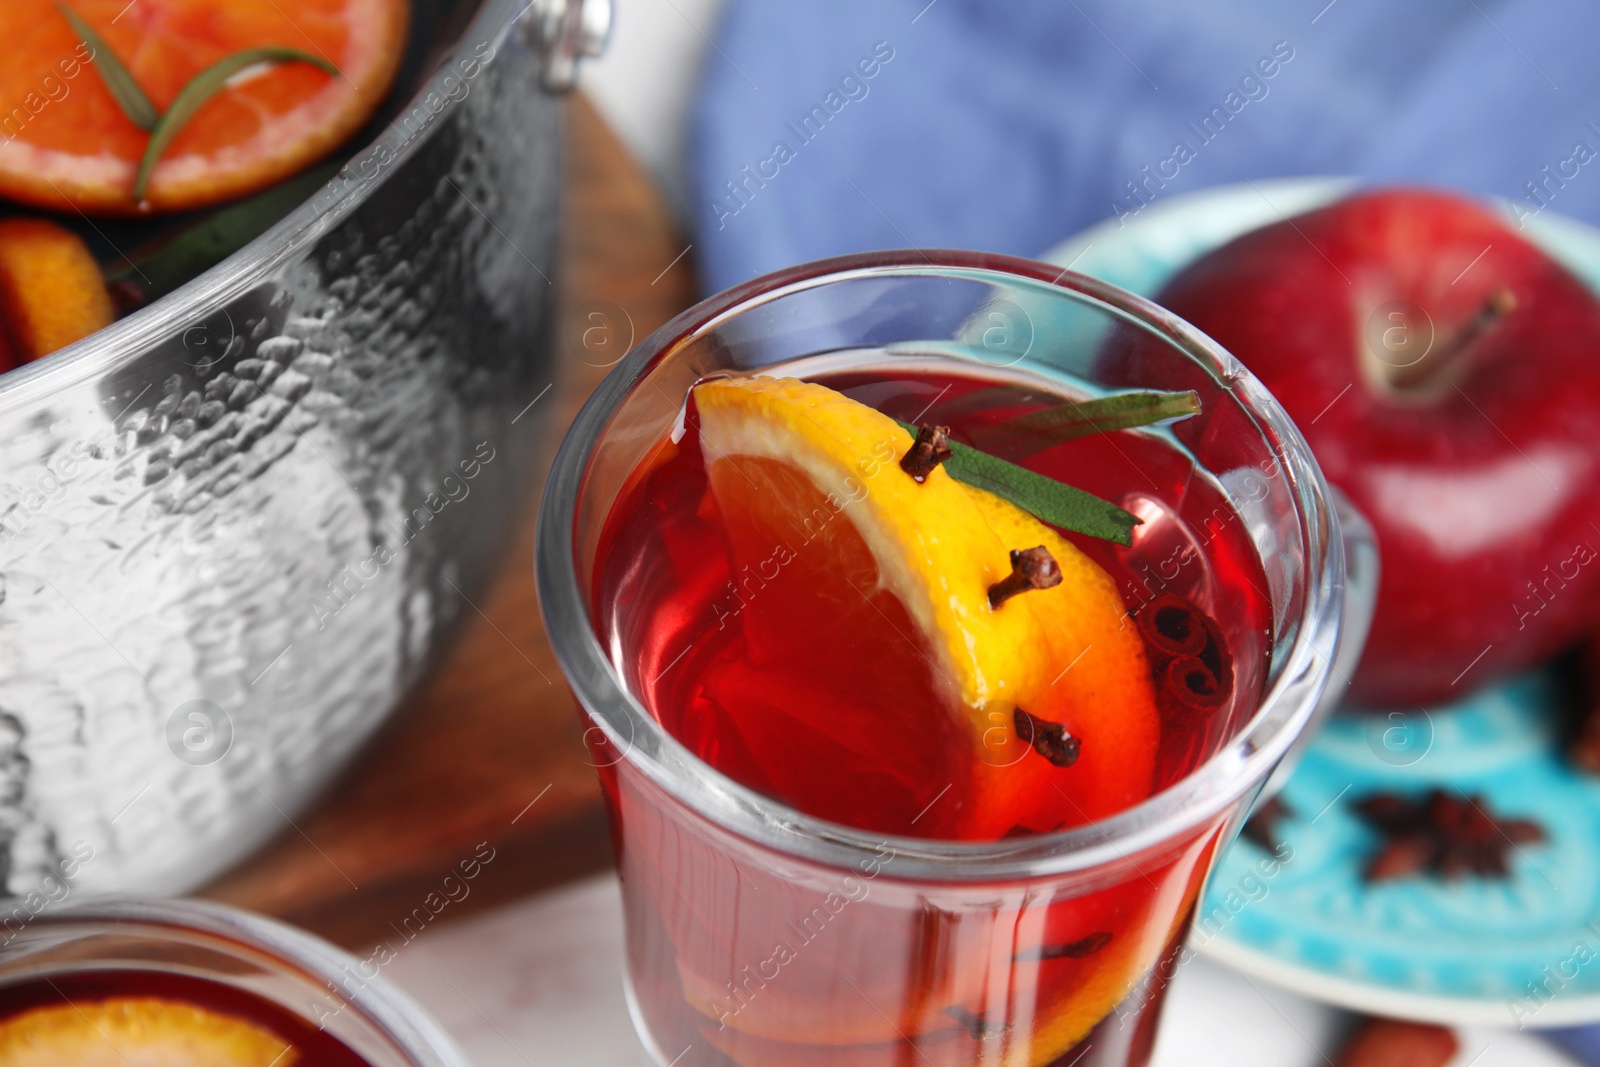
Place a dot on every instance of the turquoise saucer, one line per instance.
(1522, 952)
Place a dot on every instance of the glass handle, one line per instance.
(1361, 569)
(1361, 565)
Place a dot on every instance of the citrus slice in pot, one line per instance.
(68, 144)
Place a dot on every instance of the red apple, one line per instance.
(1446, 373)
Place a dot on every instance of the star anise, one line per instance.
(1440, 834)
(1262, 828)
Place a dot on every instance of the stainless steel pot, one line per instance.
(235, 525)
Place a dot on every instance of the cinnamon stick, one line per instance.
(1392, 1043)
(1169, 626)
(1189, 657)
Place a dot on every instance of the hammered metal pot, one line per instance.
(236, 525)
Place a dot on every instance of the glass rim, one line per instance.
(241, 933)
(1300, 672)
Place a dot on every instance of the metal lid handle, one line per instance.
(565, 31)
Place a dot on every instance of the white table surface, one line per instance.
(645, 82)
(538, 983)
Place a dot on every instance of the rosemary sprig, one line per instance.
(125, 89)
(199, 91)
(142, 112)
(1071, 419)
(1080, 418)
(1055, 502)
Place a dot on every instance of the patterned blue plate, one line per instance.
(1522, 952)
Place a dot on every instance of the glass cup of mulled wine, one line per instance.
(182, 983)
(817, 866)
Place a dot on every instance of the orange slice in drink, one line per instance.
(51, 290)
(67, 144)
(872, 629)
(138, 1032)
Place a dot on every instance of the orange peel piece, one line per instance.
(51, 289)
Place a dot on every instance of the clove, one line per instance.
(931, 448)
(1050, 739)
(1031, 568)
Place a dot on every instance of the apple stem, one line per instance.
(1446, 362)
(1497, 307)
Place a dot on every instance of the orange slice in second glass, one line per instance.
(138, 1032)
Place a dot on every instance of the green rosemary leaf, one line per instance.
(118, 79)
(171, 258)
(1024, 435)
(1057, 503)
(1054, 502)
(201, 88)
(1063, 422)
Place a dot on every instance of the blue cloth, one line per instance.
(1012, 124)
(1582, 1043)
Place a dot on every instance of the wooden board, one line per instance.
(490, 751)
